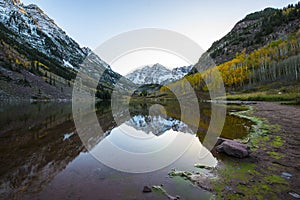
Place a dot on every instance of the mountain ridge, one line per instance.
(38, 59)
(253, 32)
(33, 27)
(157, 74)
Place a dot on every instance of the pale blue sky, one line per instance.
(91, 22)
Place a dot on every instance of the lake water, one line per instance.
(43, 157)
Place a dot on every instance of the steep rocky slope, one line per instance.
(253, 32)
(38, 59)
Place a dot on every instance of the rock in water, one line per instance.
(234, 148)
(221, 140)
(147, 189)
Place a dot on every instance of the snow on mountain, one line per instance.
(157, 74)
(33, 27)
(29, 26)
(157, 124)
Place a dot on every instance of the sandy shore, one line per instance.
(288, 118)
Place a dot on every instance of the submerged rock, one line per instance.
(161, 190)
(234, 148)
(200, 166)
(174, 172)
(202, 179)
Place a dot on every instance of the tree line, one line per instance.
(277, 61)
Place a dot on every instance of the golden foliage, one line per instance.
(244, 68)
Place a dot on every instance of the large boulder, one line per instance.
(233, 148)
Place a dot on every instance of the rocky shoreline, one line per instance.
(269, 171)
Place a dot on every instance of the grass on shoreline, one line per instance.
(237, 177)
(293, 98)
(287, 92)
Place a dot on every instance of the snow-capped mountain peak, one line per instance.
(157, 74)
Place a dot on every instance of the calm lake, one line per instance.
(43, 157)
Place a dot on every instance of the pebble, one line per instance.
(228, 188)
(147, 189)
(295, 195)
(286, 175)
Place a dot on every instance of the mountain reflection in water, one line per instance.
(42, 155)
